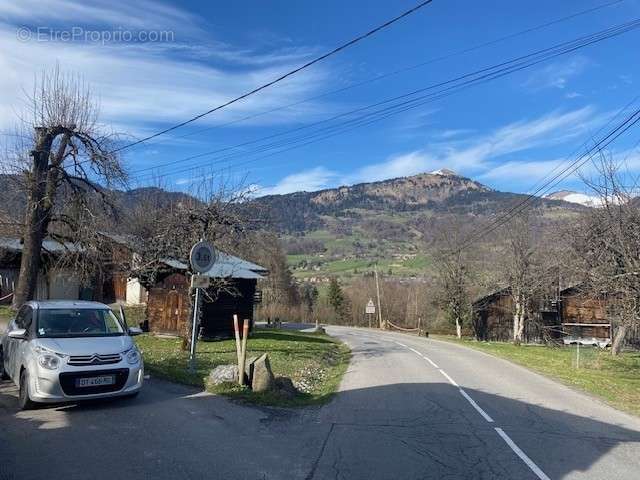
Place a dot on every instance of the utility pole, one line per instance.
(375, 271)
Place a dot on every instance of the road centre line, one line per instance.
(484, 414)
(523, 456)
(451, 380)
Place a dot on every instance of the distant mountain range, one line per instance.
(340, 230)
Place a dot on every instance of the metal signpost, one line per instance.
(370, 310)
(202, 257)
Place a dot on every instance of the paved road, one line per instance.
(408, 408)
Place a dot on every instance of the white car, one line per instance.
(60, 351)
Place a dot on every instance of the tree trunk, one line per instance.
(619, 338)
(37, 220)
(458, 328)
(518, 321)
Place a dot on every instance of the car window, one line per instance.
(81, 322)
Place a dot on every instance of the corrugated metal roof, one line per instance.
(227, 266)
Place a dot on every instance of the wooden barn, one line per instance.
(493, 318)
(168, 305)
(585, 318)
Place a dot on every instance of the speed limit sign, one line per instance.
(202, 257)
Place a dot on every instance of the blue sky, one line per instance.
(506, 134)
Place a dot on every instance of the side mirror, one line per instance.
(133, 331)
(18, 333)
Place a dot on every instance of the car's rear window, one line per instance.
(78, 322)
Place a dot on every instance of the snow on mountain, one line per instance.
(444, 172)
(575, 197)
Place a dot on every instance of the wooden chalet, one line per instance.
(168, 305)
(493, 318)
(585, 317)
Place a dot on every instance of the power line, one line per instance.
(406, 68)
(605, 141)
(480, 76)
(284, 76)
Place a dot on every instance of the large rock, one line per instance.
(263, 379)
(248, 370)
(223, 374)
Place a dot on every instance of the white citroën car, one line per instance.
(61, 351)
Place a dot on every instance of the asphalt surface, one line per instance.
(408, 408)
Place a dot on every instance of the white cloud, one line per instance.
(478, 155)
(556, 75)
(306, 181)
(143, 85)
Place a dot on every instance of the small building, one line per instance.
(53, 283)
(169, 302)
(120, 255)
(492, 317)
(584, 317)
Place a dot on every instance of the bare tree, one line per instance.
(453, 274)
(169, 231)
(523, 272)
(68, 155)
(606, 248)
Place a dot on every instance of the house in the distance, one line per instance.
(53, 282)
(120, 255)
(169, 302)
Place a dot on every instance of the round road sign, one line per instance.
(202, 257)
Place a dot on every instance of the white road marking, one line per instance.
(431, 362)
(484, 414)
(453, 382)
(523, 456)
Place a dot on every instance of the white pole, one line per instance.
(578, 356)
(194, 332)
(375, 270)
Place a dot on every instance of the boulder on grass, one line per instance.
(248, 370)
(223, 374)
(263, 379)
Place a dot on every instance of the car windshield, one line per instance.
(78, 322)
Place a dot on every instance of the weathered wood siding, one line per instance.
(217, 318)
(168, 305)
(579, 307)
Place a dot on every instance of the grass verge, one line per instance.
(616, 380)
(315, 363)
(6, 314)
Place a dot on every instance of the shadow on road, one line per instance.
(406, 430)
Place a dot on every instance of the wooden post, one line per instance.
(236, 330)
(381, 324)
(243, 352)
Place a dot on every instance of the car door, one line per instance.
(11, 351)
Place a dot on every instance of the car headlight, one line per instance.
(49, 361)
(133, 356)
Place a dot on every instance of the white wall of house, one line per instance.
(136, 293)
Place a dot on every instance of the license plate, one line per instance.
(95, 381)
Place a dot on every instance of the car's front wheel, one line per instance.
(3, 373)
(24, 400)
